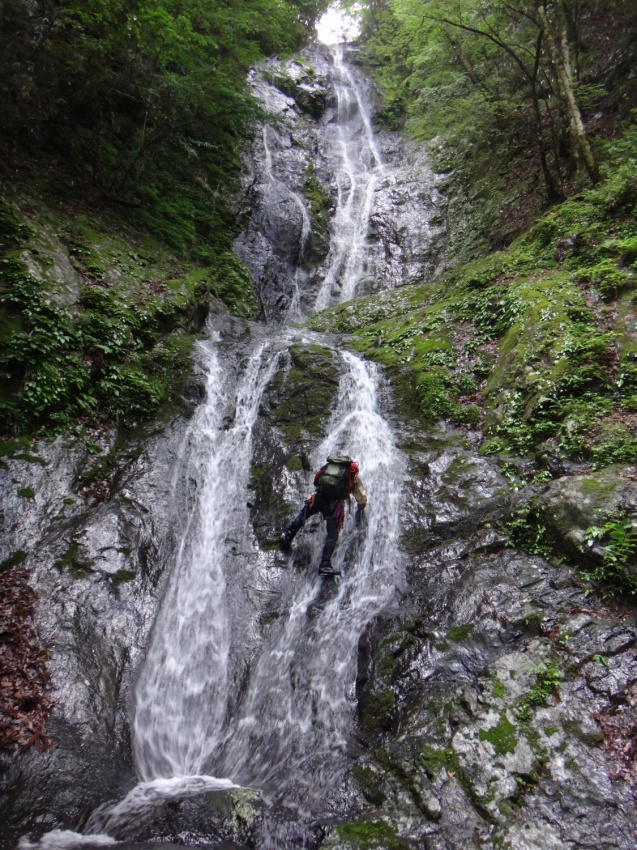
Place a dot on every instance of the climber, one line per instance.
(333, 482)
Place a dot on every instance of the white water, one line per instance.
(297, 714)
(360, 168)
(181, 696)
(288, 732)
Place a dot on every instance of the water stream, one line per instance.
(181, 696)
(286, 731)
(359, 170)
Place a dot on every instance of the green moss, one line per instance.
(550, 730)
(121, 577)
(434, 759)
(13, 560)
(368, 834)
(370, 783)
(503, 737)
(548, 680)
(72, 563)
(26, 493)
(558, 371)
(319, 201)
(123, 350)
(306, 393)
(18, 450)
(458, 634)
(497, 688)
(376, 711)
(591, 738)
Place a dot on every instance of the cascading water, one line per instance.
(181, 697)
(352, 139)
(294, 720)
(283, 728)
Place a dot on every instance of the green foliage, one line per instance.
(548, 681)
(527, 531)
(112, 357)
(520, 342)
(144, 101)
(475, 80)
(618, 537)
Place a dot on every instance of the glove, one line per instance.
(360, 513)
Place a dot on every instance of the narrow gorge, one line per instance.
(456, 688)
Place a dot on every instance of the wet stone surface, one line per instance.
(488, 686)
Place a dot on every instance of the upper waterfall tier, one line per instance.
(375, 211)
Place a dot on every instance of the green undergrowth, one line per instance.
(98, 321)
(535, 345)
(616, 571)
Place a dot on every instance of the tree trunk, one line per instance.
(557, 40)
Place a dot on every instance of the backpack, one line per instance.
(334, 480)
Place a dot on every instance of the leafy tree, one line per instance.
(489, 72)
(145, 100)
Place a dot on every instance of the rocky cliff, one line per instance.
(469, 683)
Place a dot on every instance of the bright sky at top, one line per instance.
(336, 26)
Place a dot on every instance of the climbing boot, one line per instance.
(286, 539)
(326, 569)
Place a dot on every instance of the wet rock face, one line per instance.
(486, 703)
(295, 410)
(284, 243)
(96, 562)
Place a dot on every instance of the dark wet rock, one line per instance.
(475, 717)
(97, 568)
(284, 243)
(221, 818)
(570, 246)
(295, 410)
(509, 762)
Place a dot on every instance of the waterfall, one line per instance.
(180, 699)
(284, 727)
(288, 732)
(296, 716)
(360, 168)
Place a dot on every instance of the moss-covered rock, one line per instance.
(305, 394)
(103, 315)
(528, 345)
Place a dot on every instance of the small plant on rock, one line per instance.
(618, 537)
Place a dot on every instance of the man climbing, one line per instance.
(333, 482)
